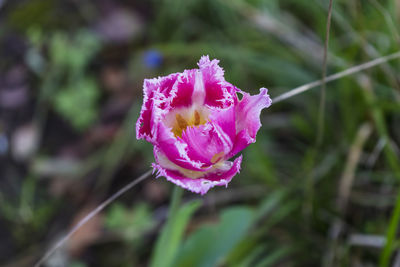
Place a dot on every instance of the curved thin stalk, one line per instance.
(336, 76)
(90, 216)
(321, 114)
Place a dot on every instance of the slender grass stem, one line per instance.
(321, 113)
(391, 234)
(336, 76)
(91, 215)
(321, 118)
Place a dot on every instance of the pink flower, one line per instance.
(196, 123)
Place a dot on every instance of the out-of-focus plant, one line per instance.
(77, 103)
(129, 223)
(171, 236)
(210, 243)
(67, 83)
(76, 100)
(26, 214)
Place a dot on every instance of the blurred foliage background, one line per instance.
(71, 75)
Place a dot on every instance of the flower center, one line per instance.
(186, 119)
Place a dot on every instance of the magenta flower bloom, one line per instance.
(196, 123)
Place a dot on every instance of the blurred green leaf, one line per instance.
(169, 241)
(272, 257)
(129, 223)
(209, 244)
(78, 103)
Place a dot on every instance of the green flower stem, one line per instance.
(171, 233)
(175, 202)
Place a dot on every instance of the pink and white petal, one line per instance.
(248, 111)
(217, 95)
(217, 89)
(242, 141)
(248, 122)
(166, 84)
(207, 143)
(226, 120)
(156, 91)
(199, 91)
(210, 69)
(216, 177)
(232, 90)
(144, 125)
(175, 150)
(181, 94)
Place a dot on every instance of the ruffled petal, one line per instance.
(212, 72)
(156, 91)
(221, 175)
(175, 150)
(166, 84)
(183, 89)
(207, 143)
(225, 119)
(248, 118)
(144, 124)
(217, 89)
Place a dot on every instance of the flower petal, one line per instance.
(166, 84)
(155, 92)
(183, 89)
(248, 118)
(225, 119)
(144, 124)
(217, 89)
(207, 143)
(211, 70)
(216, 177)
(175, 150)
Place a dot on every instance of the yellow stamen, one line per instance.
(182, 123)
(217, 157)
(196, 118)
